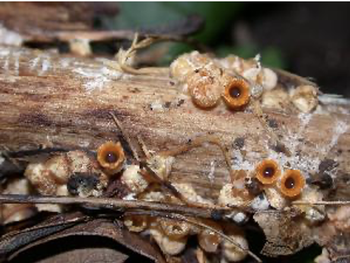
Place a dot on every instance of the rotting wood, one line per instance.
(48, 100)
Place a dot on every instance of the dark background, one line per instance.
(309, 39)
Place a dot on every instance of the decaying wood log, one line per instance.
(51, 101)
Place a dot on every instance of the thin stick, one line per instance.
(165, 184)
(148, 173)
(144, 147)
(123, 56)
(116, 204)
(125, 135)
(335, 203)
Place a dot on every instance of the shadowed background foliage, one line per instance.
(310, 39)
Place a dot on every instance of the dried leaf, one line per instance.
(338, 247)
(81, 255)
(107, 229)
(285, 233)
(17, 239)
(336, 240)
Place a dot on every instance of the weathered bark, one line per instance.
(54, 101)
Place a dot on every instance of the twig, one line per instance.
(38, 151)
(126, 137)
(153, 175)
(143, 146)
(167, 185)
(63, 221)
(116, 204)
(124, 55)
(335, 203)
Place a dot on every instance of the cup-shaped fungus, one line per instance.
(16, 212)
(185, 65)
(136, 223)
(267, 172)
(292, 183)
(111, 156)
(174, 229)
(208, 239)
(50, 177)
(133, 179)
(237, 94)
(204, 88)
(237, 251)
(169, 245)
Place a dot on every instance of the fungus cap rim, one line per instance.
(115, 148)
(244, 96)
(299, 182)
(267, 164)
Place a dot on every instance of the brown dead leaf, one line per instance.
(83, 255)
(338, 248)
(16, 239)
(103, 228)
(285, 233)
(335, 240)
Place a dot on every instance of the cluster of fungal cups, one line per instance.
(269, 186)
(209, 81)
(172, 235)
(282, 189)
(232, 82)
(290, 184)
(236, 81)
(82, 174)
